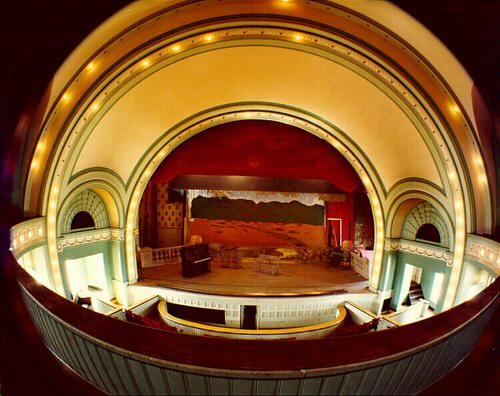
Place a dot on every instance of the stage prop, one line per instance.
(249, 218)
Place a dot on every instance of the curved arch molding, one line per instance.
(414, 96)
(421, 214)
(86, 201)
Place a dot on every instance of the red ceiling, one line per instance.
(259, 148)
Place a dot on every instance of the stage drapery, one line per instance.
(259, 148)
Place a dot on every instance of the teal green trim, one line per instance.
(388, 271)
(84, 172)
(429, 266)
(119, 262)
(418, 180)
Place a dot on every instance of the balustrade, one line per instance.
(161, 256)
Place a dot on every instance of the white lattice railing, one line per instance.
(361, 265)
(153, 257)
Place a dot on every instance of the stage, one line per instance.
(292, 278)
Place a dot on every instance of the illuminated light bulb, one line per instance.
(479, 161)
(208, 37)
(34, 164)
(378, 213)
(136, 193)
(51, 219)
(175, 48)
(65, 97)
(94, 107)
(90, 66)
(455, 108)
(484, 179)
(298, 36)
(145, 63)
(162, 153)
(39, 146)
(452, 175)
(366, 180)
(460, 220)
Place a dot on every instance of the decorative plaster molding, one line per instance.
(485, 251)
(420, 250)
(27, 234)
(79, 239)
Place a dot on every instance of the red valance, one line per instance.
(259, 148)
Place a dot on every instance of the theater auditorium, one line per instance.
(256, 197)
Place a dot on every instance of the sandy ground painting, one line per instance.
(253, 233)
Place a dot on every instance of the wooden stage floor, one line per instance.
(292, 278)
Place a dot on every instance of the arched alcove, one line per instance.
(82, 220)
(428, 232)
(84, 204)
(426, 214)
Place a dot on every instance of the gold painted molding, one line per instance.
(265, 332)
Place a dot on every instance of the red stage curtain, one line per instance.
(259, 148)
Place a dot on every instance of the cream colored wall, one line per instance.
(248, 74)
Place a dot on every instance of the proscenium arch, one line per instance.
(144, 74)
(306, 122)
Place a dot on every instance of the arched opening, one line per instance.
(428, 232)
(252, 189)
(82, 220)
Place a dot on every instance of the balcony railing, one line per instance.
(120, 357)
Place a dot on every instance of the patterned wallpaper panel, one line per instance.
(169, 215)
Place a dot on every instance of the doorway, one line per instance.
(249, 317)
